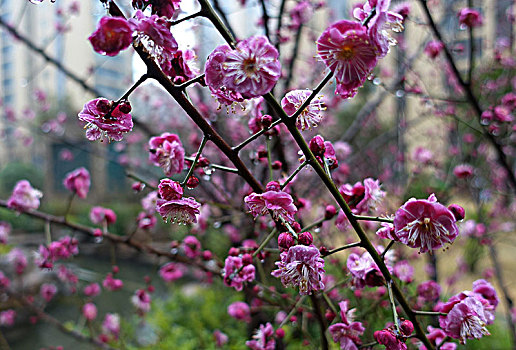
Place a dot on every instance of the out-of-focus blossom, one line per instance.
(24, 197)
(311, 116)
(78, 181)
(113, 34)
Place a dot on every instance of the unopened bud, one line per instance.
(305, 238)
(285, 240)
(192, 182)
(125, 107)
(266, 121)
(457, 211)
(317, 145)
(330, 212)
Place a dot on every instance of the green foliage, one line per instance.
(14, 172)
(188, 318)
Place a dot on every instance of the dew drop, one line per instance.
(400, 93)
(173, 251)
(98, 240)
(217, 224)
(377, 81)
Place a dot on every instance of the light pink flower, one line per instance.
(347, 335)
(171, 272)
(154, 33)
(425, 224)
(487, 291)
(24, 197)
(347, 50)
(167, 152)
(303, 267)
(436, 337)
(100, 215)
(214, 77)
(404, 271)
(263, 339)
(141, 300)
(236, 272)
(5, 229)
(220, 338)
(47, 291)
(180, 211)
(149, 202)
(364, 271)
(89, 311)
(99, 125)
(252, 68)
(113, 35)
(240, 311)
(78, 181)
(17, 258)
(280, 203)
(111, 325)
(373, 195)
(146, 221)
(423, 155)
(311, 116)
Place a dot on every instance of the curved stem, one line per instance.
(196, 159)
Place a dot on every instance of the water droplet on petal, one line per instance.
(400, 93)
(377, 81)
(217, 224)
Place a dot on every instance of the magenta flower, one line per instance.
(180, 211)
(280, 203)
(469, 17)
(47, 291)
(253, 68)
(112, 284)
(236, 272)
(240, 311)
(24, 197)
(433, 49)
(214, 74)
(113, 35)
(303, 267)
(463, 171)
(263, 339)
(7, 317)
(178, 66)
(311, 116)
(404, 271)
(347, 335)
(364, 271)
(346, 49)
(192, 247)
(89, 311)
(154, 33)
(146, 221)
(100, 215)
(466, 318)
(220, 338)
(167, 152)
(169, 189)
(99, 125)
(5, 229)
(171, 272)
(92, 290)
(78, 181)
(373, 195)
(17, 258)
(301, 14)
(436, 337)
(487, 291)
(429, 291)
(141, 300)
(425, 224)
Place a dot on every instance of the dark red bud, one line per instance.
(317, 146)
(285, 240)
(247, 259)
(330, 315)
(203, 162)
(125, 107)
(280, 333)
(103, 106)
(305, 238)
(457, 211)
(330, 212)
(192, 182)
(115, 269)
(234, 251)
(266, 121)
(207, 255)
(276, 165)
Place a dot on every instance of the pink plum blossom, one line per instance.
(429, 291)
(240, 311)
(141, 300)
(214, 77)
(301, 13)
(463, 171)
(180, 211)
(112, 284)
(89, 311)
(263, 338)
(47, 291)
(236, 272)
(179, 66)
(100, 123)
(154, 33)
(404, 271)
(171, 272)
(18, 260)
(364, 271)
(100, 215)
(311, 116)
(470, 17)
(280, 203)
(346, 49)
(92, 290)
(252, 68)
(24, 197)
(192, 247)
(433, 48)
(425, 224)
(220, 338)
(5, 229)
(7, 317)
(303, 267)
(169, 189)
(113, 35)
(78, 182)
(167, 152)
(111, 325)
(436, 337)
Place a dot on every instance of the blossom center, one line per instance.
(249, 66)
(346, 53)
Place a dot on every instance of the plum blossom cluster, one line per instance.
(351, 49)
(263, 339)
(392, 339)
(237, 270)
(250, 70)
(469, 312)
(172, 205)
(62, 249)
(167, 152)
(78, 182)
(347, 332)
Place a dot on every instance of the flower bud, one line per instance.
(285, 240)
(247, 259)
(266, 121)
(280, 333)
(305, 238)
(203, 162)
(125, 107)
(317, 145)
(207, 255)
(457, 211)
(276, 165)
(330, 212)
(273, 186)
(330, 315)
(192, 182)
(234, 251)
(406, 328)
